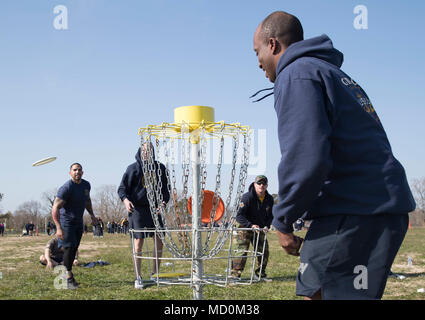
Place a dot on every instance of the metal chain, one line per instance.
(242, 174)
(151, 187)
(216, 198)
(182, 236)
(232, 177)
(222, 233)
(173, 214)
(226, 228)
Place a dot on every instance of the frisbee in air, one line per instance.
(43, 161)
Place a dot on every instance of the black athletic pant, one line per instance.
(69, 256)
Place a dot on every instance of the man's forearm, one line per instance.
(55, 216)
(89, 207)
(47, 255)
(58, 203)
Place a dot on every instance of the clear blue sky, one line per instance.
(81, 94)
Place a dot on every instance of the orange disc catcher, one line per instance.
(207, 206)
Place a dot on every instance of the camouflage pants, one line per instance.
(243, 240)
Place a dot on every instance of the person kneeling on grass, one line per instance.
(53, 254)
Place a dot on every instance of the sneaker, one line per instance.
(263, 278)
(71, 283)
(394, 275)
(138, 283)
(235, 275)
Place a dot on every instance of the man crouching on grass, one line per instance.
(53, 255)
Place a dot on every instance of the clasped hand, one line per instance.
(290, 243)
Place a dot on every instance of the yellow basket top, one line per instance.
(211, 129)
(194, 120)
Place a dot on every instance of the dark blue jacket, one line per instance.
(132, 183)
(252, 211)
(336, 158)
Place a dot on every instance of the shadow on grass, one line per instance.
(284, 278)
(111, 284)
(408, 275)
(151, 284)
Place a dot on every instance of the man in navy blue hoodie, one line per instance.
(132, 191)
(255, 212)
(337, 168)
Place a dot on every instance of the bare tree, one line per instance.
(1, 198)
(32, 207)
(5, 216)
(18, 220)
(417, 217)
(418, 189)
(107, 204)
(48, 198)
(27, 212)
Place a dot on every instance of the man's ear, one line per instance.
(274, 45)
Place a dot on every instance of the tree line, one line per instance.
(105, 200)
(108, 206)
(417, 217)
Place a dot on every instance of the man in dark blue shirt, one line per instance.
(336, 167)
(67, 212)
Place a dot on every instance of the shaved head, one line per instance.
(283, 26)
(276, 33)
(75, 164)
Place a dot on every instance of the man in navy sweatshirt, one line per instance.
(134, 194)
(337, 168)
(255, 212)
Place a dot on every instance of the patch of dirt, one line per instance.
(23, 247)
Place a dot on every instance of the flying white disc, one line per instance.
(43, 161)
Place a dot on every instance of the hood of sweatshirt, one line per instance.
(320, 47)
(138, 157)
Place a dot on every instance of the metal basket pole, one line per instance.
(197, 263)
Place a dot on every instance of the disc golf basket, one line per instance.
(198, 223)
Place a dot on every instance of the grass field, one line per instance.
(24, 278)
